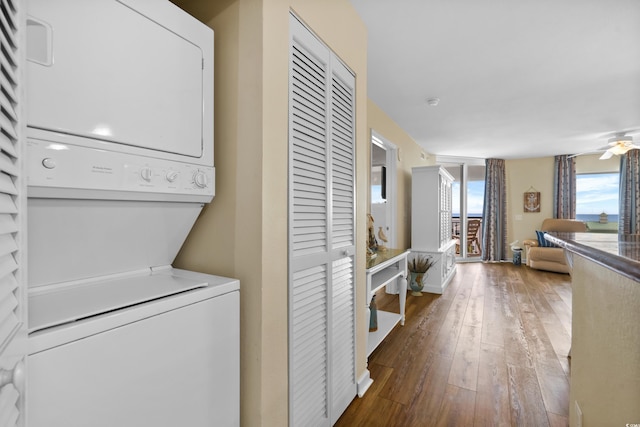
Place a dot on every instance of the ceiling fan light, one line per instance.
(619, 149)
(620, 140)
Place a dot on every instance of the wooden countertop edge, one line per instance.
(619, 264)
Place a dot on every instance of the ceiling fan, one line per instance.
(618, 145)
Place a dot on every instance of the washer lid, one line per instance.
(70, 303)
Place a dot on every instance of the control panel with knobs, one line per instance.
(82, 168)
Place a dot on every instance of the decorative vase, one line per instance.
(416, 284)
(517, 256)
(373, 320)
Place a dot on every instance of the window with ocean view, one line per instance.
(597, 201)
(475, 199)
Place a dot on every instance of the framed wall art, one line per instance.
(532, 201)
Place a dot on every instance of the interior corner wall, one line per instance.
(243, 233)
(200, 252)
(523, 174)
(226, 239)
(410, 155)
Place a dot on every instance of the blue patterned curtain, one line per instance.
(629, 203)
(564, 187)
(494, 217)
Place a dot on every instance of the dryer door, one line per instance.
(106, 71)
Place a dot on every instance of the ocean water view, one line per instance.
(469, 215)
(581, 217)
(595, 226)
(595, 217)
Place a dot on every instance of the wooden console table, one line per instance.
(381, 271)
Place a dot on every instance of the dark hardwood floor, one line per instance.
(491, 351)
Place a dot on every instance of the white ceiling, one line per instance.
(515, 78)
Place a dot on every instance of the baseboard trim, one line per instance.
(439, 289)
(364, 383)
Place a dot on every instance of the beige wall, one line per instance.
(218, 217)
(605, 346)
(410, 155)
(522, 175)
(592, 164)
(537, 173)
(243, 233)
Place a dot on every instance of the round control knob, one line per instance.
(171, 176)
(145, 173)
(49, 163)
(200, 179)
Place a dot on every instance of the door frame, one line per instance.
(463, 163)
(391, 184)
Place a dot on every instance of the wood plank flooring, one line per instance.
(491, 351)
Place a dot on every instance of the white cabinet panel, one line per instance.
(431, 232)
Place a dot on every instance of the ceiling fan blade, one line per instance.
(606, 155)
(585, 152)
(605, 135)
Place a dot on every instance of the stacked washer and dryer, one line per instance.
(120, 164)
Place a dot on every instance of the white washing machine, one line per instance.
(120, 165)
(150, 349)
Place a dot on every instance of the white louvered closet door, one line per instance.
(321, 232)
(12, 208)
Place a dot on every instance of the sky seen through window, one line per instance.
(597, 193)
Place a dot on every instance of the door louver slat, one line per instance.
(8, 172)
(343, 166)
(309, 318)
(12, 191)
(8, 406)
(7, 205)
(8, 320)
(309, 157)
(343, 374)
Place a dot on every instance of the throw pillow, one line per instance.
(542, 242)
